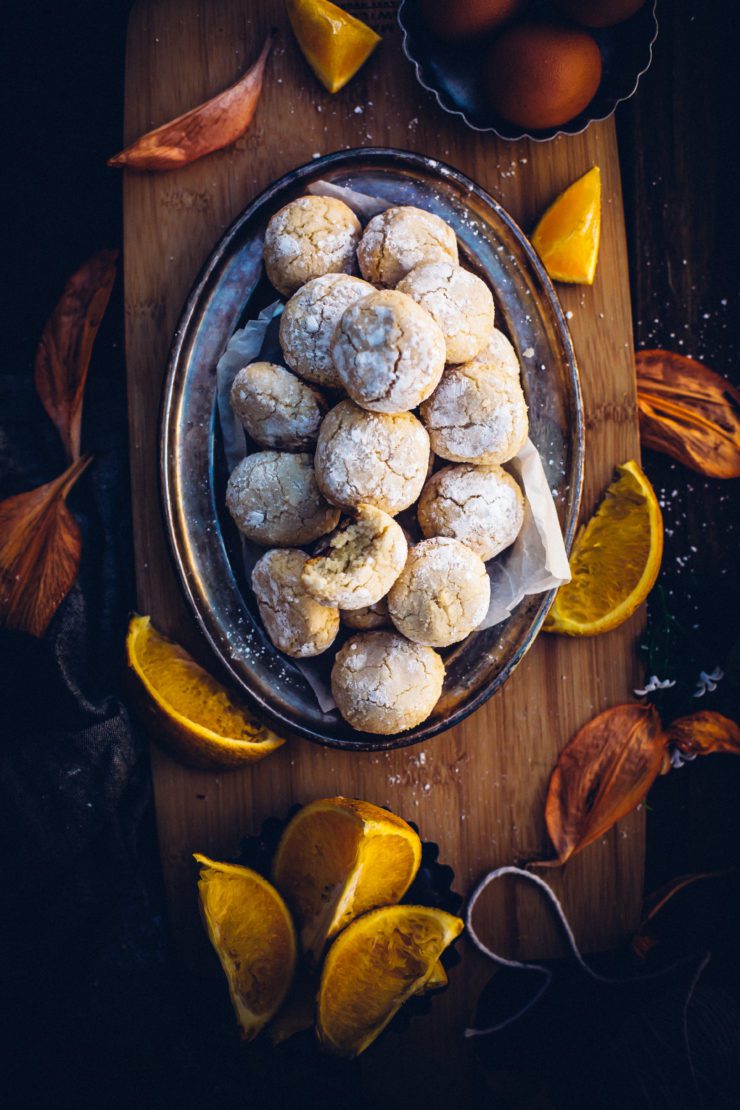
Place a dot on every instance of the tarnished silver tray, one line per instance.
(204, 542)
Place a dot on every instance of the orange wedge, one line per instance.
(436, 980)
(567, 237)
(252, 932)
(338, 858)
(192, 714)
(615, 559)
(334, 43)
(299, 1011)
(373, 967)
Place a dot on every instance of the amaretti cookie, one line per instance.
(400, 238)
(309, 237)
(309, 321)
(382, 683)
(476, 414)
(499, 353)
(388, 352)
(364, 558)
(482, 506)
(460, 303)
(367, 618)
(274, 499)
(441, 595)
(276, 408)
(293, 619)
(371, 458)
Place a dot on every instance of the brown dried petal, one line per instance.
(688, 412)
(63, 353)
(211, 126)
(648, 933)
(704, 734)
(602, 774)
(40, 547)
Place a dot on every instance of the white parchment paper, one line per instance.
(535, 563)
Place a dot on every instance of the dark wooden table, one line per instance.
(680, 151)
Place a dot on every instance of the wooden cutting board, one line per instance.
(478, 790)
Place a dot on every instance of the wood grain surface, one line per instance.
(478, 789)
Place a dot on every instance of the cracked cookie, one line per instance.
(499, 353)
(293, 619)
(378, 459)
(459, 301)
(400, 238)
(388, 352)
(309, 321)
(384, 684)
(274, 499)
(441, 595)
(276, 408)
(309, 237)
(476, 414)
(367, 618)
(364, 558)
(482, 506)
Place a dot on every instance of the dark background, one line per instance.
(96, 1012)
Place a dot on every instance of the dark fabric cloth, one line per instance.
(82, 913)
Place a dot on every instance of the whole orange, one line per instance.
(540, 75)
(454, 20)
(599, 13)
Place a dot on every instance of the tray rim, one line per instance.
(285, 726)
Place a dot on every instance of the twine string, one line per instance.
(545, 972)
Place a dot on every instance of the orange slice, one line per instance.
(615, 559)
(334, 43)
(567, 237)
(299, 1011)
(373, 967)
(192, 714)
(338, 858)
(436, 980)
(252, 932)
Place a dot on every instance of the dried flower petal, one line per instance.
(704, 733)
(602, 774)
(211, 126)
(688, 412)
(40, 547)
(707, 683)
(63, 353)
(654, 684)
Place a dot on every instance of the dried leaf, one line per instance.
(648, 935)
(40, 547)
(63, 353)
(211, 126)
(602, 774)
(688, 412)
(704, 734)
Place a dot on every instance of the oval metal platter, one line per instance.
(232, 289)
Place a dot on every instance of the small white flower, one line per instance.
(654, 683)
(708, 682)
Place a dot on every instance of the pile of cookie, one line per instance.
(383, 374)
